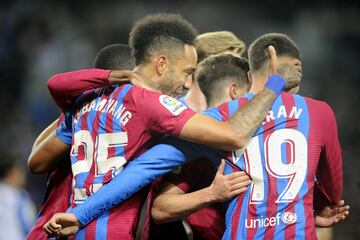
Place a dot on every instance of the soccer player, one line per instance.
(58, 189)
(164, 52)
(221, 78)
(209, 44)
(295, 149)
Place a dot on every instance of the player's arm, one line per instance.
(157, 161)
(230, 135)
(44, 134)
(172, 203)
(66, 87)
(329, 172)
(46, 156)
(236, 132)
(50, 147)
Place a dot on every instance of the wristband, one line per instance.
(276, 83)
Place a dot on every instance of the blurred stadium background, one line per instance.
(41, 38)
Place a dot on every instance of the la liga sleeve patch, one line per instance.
(171, 104)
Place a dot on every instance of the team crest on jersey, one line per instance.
(289, 218)
(171, 104)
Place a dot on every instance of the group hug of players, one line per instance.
(220, 145)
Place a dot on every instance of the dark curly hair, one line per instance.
(162, 32)
(116, 57)
(216, 71)
(258, 53)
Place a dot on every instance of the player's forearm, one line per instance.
(236, 132)
(44, 134)
(151, 165)
(169, 207)
(154, 163)
(66, 87)
(47, 155)
(247, 119)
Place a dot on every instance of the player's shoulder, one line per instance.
(141, 95)
(316, 107)
(308, 100)
(134, 94)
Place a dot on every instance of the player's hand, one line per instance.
(123, 76)
(290, 72)
(225, 187)
(62, 225)
(331, 215)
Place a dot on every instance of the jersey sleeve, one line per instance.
(64, 130)
(329, 172)
(138, 173)
(66, 87)
(161, 114)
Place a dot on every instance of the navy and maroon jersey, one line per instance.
(296, 146)
(56, 197)
(207, 223)
(110, 126)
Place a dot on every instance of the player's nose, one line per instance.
(188, 82)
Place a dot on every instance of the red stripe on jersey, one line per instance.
(224, 112)
(88, 185)
(90, 230)
(313, 137)
(123, 219)
(109, 129)
(250, 233)
(143, 137)
(288, 102)
(271, 207)
(84, 125)
(236, 216)
(243, 101)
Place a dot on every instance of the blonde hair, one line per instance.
(212, 43)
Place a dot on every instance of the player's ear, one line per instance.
(234, 91)
(249, 77)
(161, 64)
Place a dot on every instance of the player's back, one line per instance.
(282, 160)
(110, 126)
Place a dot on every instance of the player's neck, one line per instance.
(195, 98)
(258, 82)
(146, 71)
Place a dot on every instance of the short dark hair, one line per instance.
(258, 53)
(161, 32)
(116, 57)
(213, 72)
